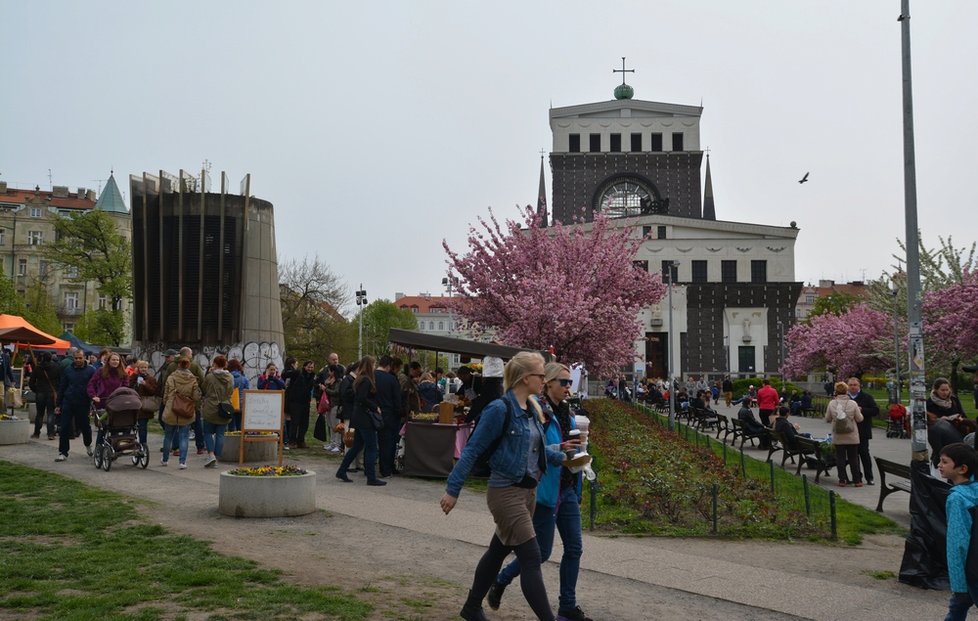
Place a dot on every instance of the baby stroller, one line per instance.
(117, 431)
(897, 421)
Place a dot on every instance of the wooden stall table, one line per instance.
(430, 449)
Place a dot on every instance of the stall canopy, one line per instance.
(17, 330)
(449, 345)
(87, 348)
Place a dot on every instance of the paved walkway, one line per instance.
(623, 579)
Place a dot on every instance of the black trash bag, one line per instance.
(319, 431)
(925, 552)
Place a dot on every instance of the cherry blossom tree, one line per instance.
(851, 343)
(574, 288)
(951, 322)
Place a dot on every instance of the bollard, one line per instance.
(593, 512)
(835, 533)
(808, 495)
(716, 489)
(724, 453)
(771, 463)
(743, 463)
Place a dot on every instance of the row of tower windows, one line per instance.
(699, 269)
(614, 146)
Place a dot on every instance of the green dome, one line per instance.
(624, 91)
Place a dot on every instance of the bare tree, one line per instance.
(312, 296)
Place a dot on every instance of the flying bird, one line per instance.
(804, 179)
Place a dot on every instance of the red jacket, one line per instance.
(767, 398)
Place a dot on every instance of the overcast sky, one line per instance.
(379, 128)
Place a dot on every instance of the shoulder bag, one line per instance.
(183, 407)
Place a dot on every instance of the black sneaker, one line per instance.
(495, 595)
(572, 614)
(473, 613)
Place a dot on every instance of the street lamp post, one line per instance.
(672, 385)
(449, 282)
(361, 305)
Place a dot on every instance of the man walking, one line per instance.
(727, 390)
(870, 411)
(389, 399)
(73, 405)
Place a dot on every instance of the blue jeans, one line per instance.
(141, 425)
(958, 607)
(214, 437)
(568, 522)
(367, 442)
(180, 433)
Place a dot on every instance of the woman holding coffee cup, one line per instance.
(558, 500)
(514, 423)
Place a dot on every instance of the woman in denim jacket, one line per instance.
(517, 464)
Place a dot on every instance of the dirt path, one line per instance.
(393, 547)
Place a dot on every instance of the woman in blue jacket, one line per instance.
(558, 502)
(518, 461)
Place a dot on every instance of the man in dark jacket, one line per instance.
(870, 411)
(73, 404)
(389, 399)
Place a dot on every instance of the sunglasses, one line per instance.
(566, 382)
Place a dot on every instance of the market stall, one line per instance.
(431, 446)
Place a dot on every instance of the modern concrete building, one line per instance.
(27, 222)
(639, 162)
(205, 270)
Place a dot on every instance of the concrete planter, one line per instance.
(252, 497)
(15, 431)
(265, 452)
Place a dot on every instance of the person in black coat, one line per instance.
(44, 381)
(389, 400)
(298, 392)
(867, 405)
(365, 436)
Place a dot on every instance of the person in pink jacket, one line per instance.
(106, 379)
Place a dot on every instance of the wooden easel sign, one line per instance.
(262, 411)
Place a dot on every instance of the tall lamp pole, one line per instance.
(361, 304)
(449, 282)
(918, 382)
(673, 265)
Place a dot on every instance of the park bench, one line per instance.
(798, 448)
(724, 427)
(901, 470)
(775, 443)
(810, 453)
(739, 431)
(702, 419)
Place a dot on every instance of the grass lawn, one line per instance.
(75, 553)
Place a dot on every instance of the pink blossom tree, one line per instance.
(951, 323)
(574, 288)
(851, 343)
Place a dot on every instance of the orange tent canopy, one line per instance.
(17, 330)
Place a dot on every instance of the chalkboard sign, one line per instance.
(262, 410)
(18, 373)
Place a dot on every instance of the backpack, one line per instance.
(481, 467)
(843, 423)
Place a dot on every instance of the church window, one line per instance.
(625, 198)
(615, 143)
(728, 271)
(699, 271)
(646, 231)
(660, 232)
(636, 143)
(758, 271)
(677, 141)
(595, 143)
(574, 143)
(656, 144)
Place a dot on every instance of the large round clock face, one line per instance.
(624, 199)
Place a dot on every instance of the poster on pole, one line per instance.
(262, 411)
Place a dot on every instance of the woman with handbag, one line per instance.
(216, 411)
(366, 420)
(146, 386)
(182, 397)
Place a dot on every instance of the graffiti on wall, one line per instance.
(254, 356)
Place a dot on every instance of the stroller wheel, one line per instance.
(142, 457)
(97, 457)
(108, 454)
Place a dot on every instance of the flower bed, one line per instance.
(656, 482)
(14, 430)
(267, 491)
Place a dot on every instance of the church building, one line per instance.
(734, 290)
